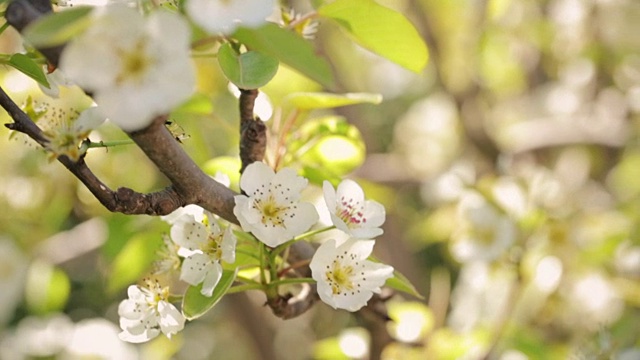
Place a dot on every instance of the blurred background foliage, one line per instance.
(510, 170)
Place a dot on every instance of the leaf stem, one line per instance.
(106, 144)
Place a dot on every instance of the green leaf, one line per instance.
(199, 103)
(381, 30)
(194, 304)
(57, 28)
(27, 66)
(133, 260)
(329, 145)
(401, 283)
(289, 48)
(319, 100)
(249, 70)
(47, 288)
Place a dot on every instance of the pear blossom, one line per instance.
(224, 16)
(208, 244)
(169, 260)
(350, 212)
(271, 210)
(484, 232)
(137, 68)
(147, 312)
(66, 131)
(345, 278)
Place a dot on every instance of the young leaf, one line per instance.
(194, 304)
(27, 66)
(249, 70)
(401, 283)
(319, 100)
(57, 28)
(289, 48)
(381, 30)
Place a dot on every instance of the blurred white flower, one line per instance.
(224, 16)
(351, 213)
(97, 339)
(37, 337)
(168, 258)
(484, 233)
(137, 68)
(272, 211)
(56, 79)
(208, 245)
(13, 272)
(346, 279)
(147, 312)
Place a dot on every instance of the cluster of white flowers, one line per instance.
(273, 213)
(137, 68)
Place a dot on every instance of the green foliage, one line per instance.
(47, 289)
(328, 148)
(29, 67)
(57, 28)
(381, 30)
(401, 283)
(318, 100)
(288, 48)
(133, 260)
(194, 304)
(248, 70)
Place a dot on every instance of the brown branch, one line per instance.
(123, 200)
(190, 185)
(253, 132)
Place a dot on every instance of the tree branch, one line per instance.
(253, 132)
(190, 185)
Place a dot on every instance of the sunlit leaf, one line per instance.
(197, 104)
(289, 48)
(249, 70)
(57, 28)
(381, 30)
(133, 260)
(401, 283)
(320, 100)
(27, 66)
(47, 288)
(194, 304)
(329, 144)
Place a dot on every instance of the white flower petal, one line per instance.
(189, 234)
(171, 320)
(229, 246)
(211, 279)
(255, 176)
(195, 268)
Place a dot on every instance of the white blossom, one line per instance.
(346, 279)
(224, 16)
(351, 213)
(136, 68)
(67, 131)
(272, 210)
(208, 244)
(484, 233)
(147, 312)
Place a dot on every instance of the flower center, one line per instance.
(339, 278)
(135, 63)
(213, 246)
(271, 211)
(350, 212)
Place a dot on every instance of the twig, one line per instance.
(253, 132)
(123, 200)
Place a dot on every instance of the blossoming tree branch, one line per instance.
(133, 60)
